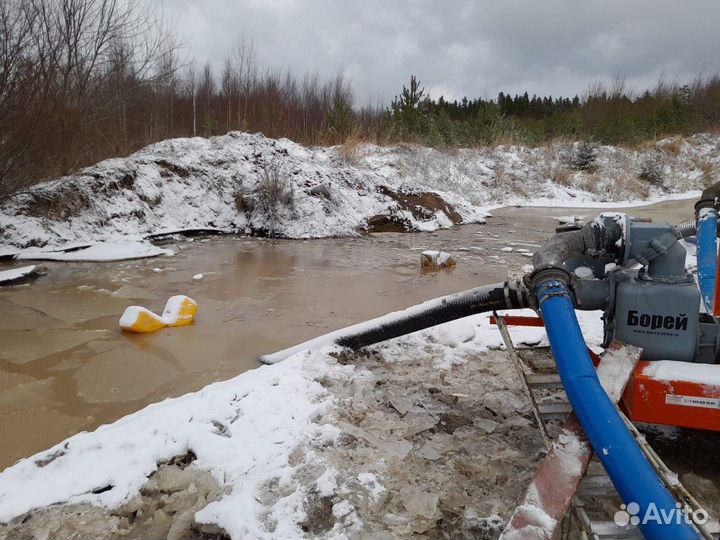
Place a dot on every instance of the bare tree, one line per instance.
(191, 90)
(206, 89)
(246, 70)
(228, 90)
(82, 80)
(69, 71)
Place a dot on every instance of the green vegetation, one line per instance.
(607, 116)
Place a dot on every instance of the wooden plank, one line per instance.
(551, 491)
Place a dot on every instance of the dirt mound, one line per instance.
(423, 206)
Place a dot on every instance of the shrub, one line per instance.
(244, 202)
(584, 157)
(651, 171)
(272, 193)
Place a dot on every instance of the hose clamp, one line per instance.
(552, 288)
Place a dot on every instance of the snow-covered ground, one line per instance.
(319, 430)
(241, 182)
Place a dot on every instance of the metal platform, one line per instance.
(595, 491)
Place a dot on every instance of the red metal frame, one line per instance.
(716, 298)
(519, 320)
(673, 403)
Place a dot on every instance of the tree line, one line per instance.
(84, 80)
(610, 114)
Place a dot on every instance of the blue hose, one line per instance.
(628, 468)
(707, 255)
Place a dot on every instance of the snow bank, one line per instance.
(242, 431)
(216, 184)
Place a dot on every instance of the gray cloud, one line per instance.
(464, 47)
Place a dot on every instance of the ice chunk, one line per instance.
(428, 451)
(401, 404)
(419, 503)
(100, 252)
(16, 274)
(418, 422)
(431, 260)
(488, 426)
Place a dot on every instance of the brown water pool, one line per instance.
(66, 367)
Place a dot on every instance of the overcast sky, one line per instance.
(465, 47)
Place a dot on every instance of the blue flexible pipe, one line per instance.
(707, 255)
(626, 465)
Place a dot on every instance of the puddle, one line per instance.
(66, 367)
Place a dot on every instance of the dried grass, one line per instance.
(350, 150)
(562, 176)
(626, 184)
(671, 147)
(590, 183)
(708, 170)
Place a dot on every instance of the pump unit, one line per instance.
(649, 297)
(635, 272)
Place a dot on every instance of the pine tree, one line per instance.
(341, 118)
(584, 157)
(410, 109)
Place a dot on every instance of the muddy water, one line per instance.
(66, 367)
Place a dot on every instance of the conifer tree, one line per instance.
(410, 109)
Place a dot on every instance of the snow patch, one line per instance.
(100, 252)
(8, 276)
(671, 370)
